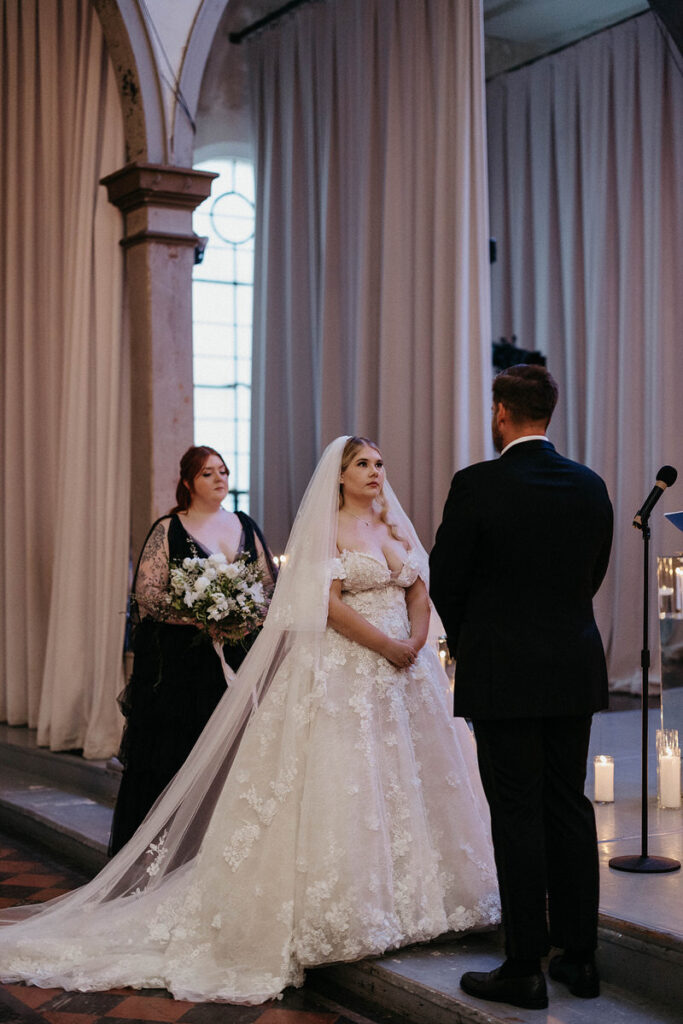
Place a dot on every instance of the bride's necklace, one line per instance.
(364, 521)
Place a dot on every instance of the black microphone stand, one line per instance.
(642, 862)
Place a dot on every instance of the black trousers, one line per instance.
(533, 771)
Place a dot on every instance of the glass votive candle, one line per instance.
(603, 765)
(668, 769)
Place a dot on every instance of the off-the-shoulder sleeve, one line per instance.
(337, 570)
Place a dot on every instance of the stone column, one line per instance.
(157, 204)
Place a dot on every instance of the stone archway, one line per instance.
(152, 135)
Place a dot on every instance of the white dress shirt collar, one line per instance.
(520, 440)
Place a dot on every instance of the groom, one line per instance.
(522, 549)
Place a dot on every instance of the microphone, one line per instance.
(665, 478)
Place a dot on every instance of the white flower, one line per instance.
(218, 591)
(231, 570)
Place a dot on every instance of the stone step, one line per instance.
(65, 803)
(96, 779)
(59, 800)
(641, 983)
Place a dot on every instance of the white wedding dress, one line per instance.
(351, 822)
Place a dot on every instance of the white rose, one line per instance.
(201, 584)
(231, 570)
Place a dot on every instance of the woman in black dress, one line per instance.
(177, 677)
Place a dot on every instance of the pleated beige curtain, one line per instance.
(64, 391)
(586, 166)
(372, 299)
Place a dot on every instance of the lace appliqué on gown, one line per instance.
(352, 822)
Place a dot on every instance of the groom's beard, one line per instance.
(497, 438)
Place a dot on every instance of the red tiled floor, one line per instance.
(31, 996)
(43, 895)
(278, 1015)
(7, 901)
(13, 867)
(152, 1008)
(34, 877)
(55, 1017)
(29, 879)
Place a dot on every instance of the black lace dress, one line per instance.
(176, 682)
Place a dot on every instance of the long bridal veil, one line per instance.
(170, 837)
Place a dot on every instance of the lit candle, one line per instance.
(670, 778)
(666, 595)
(679, 589)
(604, 778)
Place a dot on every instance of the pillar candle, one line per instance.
(666, 601)
(670, 778)
(604, 779)
(679, 589)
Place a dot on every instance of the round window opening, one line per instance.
(232, 216)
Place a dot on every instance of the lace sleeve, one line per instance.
(151, 582)
(265, 569)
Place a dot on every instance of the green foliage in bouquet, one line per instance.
(225, 599)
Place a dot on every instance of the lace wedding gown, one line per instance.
(352, 822)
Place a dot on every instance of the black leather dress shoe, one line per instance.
(529, 992)
(582, 979)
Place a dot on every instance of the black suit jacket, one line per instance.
(523, 547)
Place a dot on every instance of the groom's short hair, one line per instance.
(528, 392)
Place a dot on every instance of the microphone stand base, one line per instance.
(644, 865)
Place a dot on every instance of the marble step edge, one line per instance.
(412, 1001)
(96, 779)
(644, 965)
(73, 845)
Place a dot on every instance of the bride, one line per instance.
(330, 811)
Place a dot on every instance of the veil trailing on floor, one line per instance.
(171, 835)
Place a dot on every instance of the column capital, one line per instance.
(157, 202)
(137, 185)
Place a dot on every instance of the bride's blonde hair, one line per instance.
(351, 449)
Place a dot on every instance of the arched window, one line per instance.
(222, 296)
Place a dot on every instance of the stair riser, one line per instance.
(647, 969)
(60, 845)
(70, 772)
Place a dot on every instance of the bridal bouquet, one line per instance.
(225, 599)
